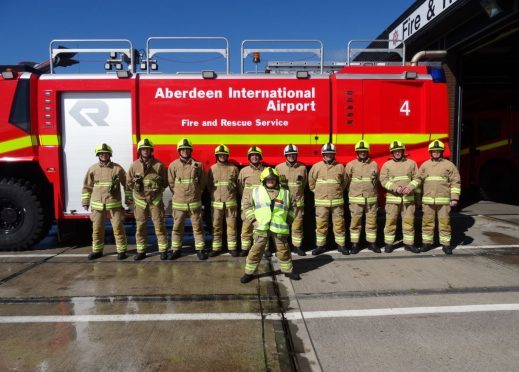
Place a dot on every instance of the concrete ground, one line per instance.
(398, 311)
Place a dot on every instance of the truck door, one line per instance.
(88, 119)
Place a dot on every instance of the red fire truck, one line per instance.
(50, 122)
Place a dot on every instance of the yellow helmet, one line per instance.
(436, 145)
(362, 146)
(396, 145)
(268, 173)
(184, 143)
(103, 148)
(145, 144)
(221, 150)
(254, 150)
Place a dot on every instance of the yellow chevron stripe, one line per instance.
(385, 138)
(17, 144)
(50, 140)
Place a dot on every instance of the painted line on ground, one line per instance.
(400, 249)
(256, 316)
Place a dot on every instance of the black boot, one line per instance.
(426, 248)
(447, 249)
(389, 248)
(318, 250)
(122, 256)
(293, 275)
(163, 256)
(95, 255)
(214, 253)
(173, 255)
(345, 251)
(244, 253)
(246, 278)
(140, 256)
(373, 247)
(412, 248)
(234, 253)
(299, 251)
(355, 248)
(201, 255)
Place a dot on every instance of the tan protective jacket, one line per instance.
(247, 180)
(102, 186)
(327, 182)
(363, 177)
(186, 181)
(295, 178)
(399, 173)
(441, 182)
(154, 181)
(222, 184)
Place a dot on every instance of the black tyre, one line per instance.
(23, 221)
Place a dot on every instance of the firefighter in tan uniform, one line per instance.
(147, 179)
(248, 178)
(222, 184)
(186, 179)
(327, 180)
(270, 210)
(102, 192)
(363, 176)
(441, 191)
(399, 176)
(294, 175)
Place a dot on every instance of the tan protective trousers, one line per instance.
(322, 215)
(406, 211)
(444, 223)
(219, 216)
(356, 212)
(116, 216)
(297, 227)
(179, 217)
(261, 239)
(157, 216)
(246, 233)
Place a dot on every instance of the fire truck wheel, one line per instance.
(22, 219)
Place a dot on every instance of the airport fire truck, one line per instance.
(51, 121)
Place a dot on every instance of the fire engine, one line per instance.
(51, 121)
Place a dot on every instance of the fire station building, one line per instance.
(481, 40)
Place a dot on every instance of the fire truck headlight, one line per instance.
(302, 74)
(143, 66)
(118, 66)
(123, 74)
(154, 66)
(411, 75)
(209, 74)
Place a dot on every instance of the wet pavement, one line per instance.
(399, 311)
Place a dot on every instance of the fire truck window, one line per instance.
(20, 110)
(489, 129)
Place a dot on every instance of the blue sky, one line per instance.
(29, 26)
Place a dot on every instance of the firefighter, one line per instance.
(327, 180)
(222, 179)
(147, 179)
(441, 191)
(399, 176)
(294, 175)
(270, 209)
(102, 192)
(248, 178)
(363, 177)
(186, 179)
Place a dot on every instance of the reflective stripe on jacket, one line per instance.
(154, 181)
(187, 181)
(222, 184)
(441, 181)
(271, 214)
(294, 176)
(327, 182)
(363, 181)
(402, 173)
(102, 186)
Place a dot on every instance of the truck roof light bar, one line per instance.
(356, 54)
(8, 75)
(245, 52)
(123, 74)
(151, 52)
(209, 74)
(302, 74)
(55, 51)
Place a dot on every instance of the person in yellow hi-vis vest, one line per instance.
(102, 192)
(270, 210)
(295, 176)
(327, 181)
(147, 179)
(399, 176)
(186, 179)
(222, 184)
(441, 191)
(363, 176)
(248, 178)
